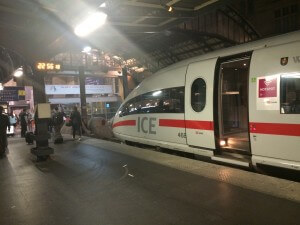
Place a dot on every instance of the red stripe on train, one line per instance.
(189, 124)
(275, 129)
(125, 123)
(171, 123)
(202, 125)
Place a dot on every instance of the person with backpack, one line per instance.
(58, 121)
(76, 122)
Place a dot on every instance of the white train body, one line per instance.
(243, 100)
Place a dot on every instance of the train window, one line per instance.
(153, 102)
(176, 100)
(169, 100)
(198, 95)
(290, 94)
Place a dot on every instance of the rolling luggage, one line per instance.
(29, 138)
(58, 140)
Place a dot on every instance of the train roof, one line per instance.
(259, 44)
(164, 78)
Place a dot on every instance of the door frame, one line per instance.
(216, 96)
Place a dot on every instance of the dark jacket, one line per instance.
(23, 118)
(4, 124)
(75, 118)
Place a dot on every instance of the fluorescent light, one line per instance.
(18, 72)
(103, 5)
(1, 87)
(140, 70)
(90, 24)
(156, 93)
(87, 49)
(170, 9)
(291, 75)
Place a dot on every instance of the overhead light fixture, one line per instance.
(1, 87)
(170, 9)
(90, 24)
(140, 70)
(87, 49)
(103, 5)
(18, 72)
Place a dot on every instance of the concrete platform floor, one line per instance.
(103, 183)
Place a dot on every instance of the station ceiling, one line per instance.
(142, 29)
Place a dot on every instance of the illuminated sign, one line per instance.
(75, 89)
(48, 66)
(12, 94)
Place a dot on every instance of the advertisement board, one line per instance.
(75, 89)
(267, 93)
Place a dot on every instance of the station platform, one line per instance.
(97, 182)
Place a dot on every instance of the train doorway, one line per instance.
(232, 105)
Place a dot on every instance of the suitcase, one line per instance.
(58, 140)
(29, 138)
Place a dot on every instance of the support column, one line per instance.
(38, 84)
(125, 82)
(82, 94)
(42, 149)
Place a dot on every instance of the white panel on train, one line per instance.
(174, 108)
(275, 83)
(199, 104)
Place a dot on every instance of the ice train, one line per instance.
(239, 105)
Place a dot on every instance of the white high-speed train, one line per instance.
(239, 105)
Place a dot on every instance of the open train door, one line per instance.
(199, 104)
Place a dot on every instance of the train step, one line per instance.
(232, 159)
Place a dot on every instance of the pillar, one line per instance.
(82, 94)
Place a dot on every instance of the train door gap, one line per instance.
(232, 106)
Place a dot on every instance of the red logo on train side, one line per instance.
(267, 88)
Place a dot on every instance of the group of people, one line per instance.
(58, 121)
(25, 120)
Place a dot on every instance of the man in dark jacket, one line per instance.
(23, 121)
(76, 122)
(4, 125)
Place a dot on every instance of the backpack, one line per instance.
(58, 118)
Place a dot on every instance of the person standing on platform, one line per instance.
(4, 125)
(29, 122)
(12, 119)
(76, 122)
(23, 121)
(58, 121)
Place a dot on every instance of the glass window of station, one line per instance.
(290, 94)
